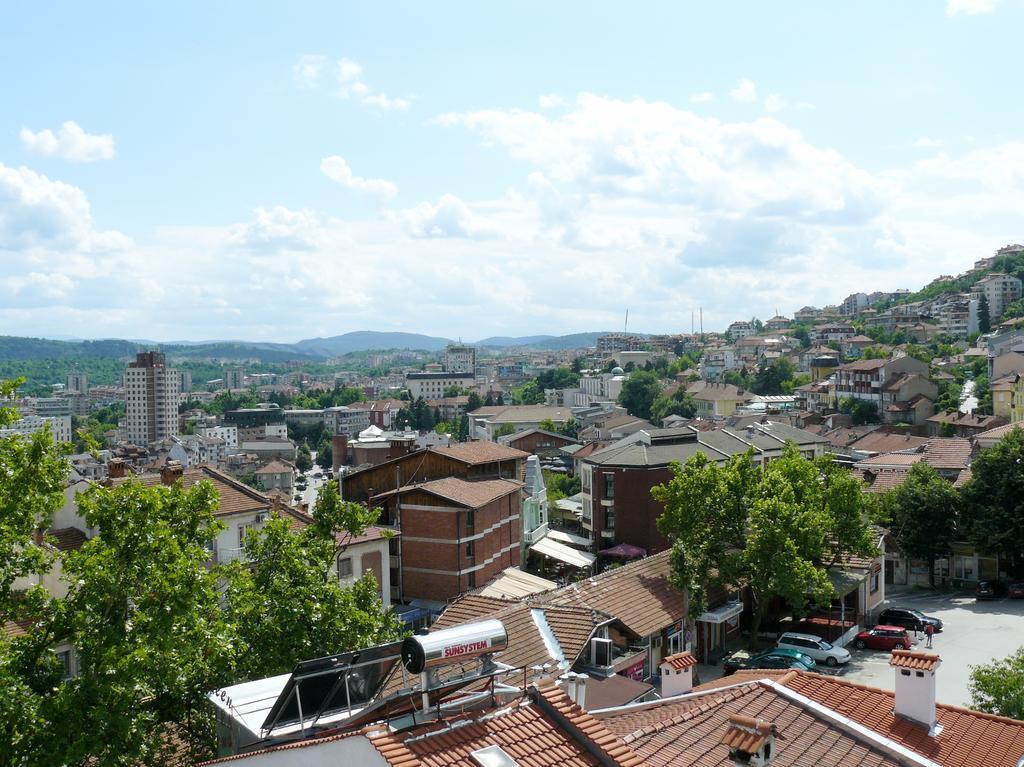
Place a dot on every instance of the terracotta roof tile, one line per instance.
(473, 453)
(681, 660)
(67, 538)
(914, 660)
(746, 733)
(472, 494)
(639, 595)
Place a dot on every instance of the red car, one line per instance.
(1016, 591)
(883, 638)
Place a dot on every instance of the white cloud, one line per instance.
(970, 7)
(702, 98)
(36, 212)
(309, 69)
(278, 228)
(927, 143)
(450, 217)
(336, 169)
(313, 70)
(745, 91)
(70, 142)
(551, 101)
(773, 102)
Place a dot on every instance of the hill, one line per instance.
(365, 340)
(501, 342)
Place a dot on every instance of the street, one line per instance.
(973, 632)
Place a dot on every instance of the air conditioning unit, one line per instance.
(601, 652)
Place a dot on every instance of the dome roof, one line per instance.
(617, 371)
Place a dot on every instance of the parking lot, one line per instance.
(973, 632)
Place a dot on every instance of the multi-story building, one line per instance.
(740, 329)
(854, 304)
(257, 423)
(459, 358)
(229, 434)
(184, 381)
(346, 420)
(806, 315)
(610, 343)
(897, 387)
(51, 407)
(956, 315)
(1000, 289)
(60, 427)
(76, 382)
(434, 385)
(234, 378)
(151, 399)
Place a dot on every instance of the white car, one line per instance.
(816, 647)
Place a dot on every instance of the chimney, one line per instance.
(116, 468)
(915, 686)
(575, 686)
(677, 674)
(170, 473)
(339, 452)
(751, 741)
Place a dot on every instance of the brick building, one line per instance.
(456, 533)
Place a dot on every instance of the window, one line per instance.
(344, 568)
(470, 521)
(609, 518)
(609, 485)
(874, 582)
(243, 530)
(471, 579)
(469, 549)
(65, 660)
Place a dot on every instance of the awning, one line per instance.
(563, 553)
(627, 550)
(722, 614)
(568, 538)
(846, 581)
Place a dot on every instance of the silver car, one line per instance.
(816, 647)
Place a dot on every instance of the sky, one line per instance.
(268, 171)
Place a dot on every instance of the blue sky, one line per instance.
(220, 171)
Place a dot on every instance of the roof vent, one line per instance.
(492, 756)
(751, 741)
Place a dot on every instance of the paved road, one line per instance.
(973, 633)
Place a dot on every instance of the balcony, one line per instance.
(532, 536)
(224, 556)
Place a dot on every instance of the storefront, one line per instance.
(715, 628)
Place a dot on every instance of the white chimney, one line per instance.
(575, 686)
(915, 686)
(751, 741)
(677, 674)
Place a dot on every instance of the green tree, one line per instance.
(639, 392)
(984, 314)
(505, 430)
(143, 614)
(923, 515)
(998, 687)
(678, 403)
(286, 601)
(771, 378)
(860, 411)
(325, 453)
(304, 459)
(777, 529)
(548, 425)
(993, 500)
(474, 402)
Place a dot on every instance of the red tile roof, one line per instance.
(746, 733)
(466, 493)
(68, 538)
(914, 660)
(639, 594)
(681, 660)
(473, 453)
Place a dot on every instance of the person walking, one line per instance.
(929, 631)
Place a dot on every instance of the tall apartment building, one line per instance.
(459, 358)
(76, 382)
(184, 381)
(1000, 289)
(151, 399)
(234, 378)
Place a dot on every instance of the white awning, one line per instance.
(722, 614)
(569, 539)
(563, 553)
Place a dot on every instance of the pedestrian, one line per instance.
(929, 631)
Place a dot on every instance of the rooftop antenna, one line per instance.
(626, 323)
(702, 321)
(691, 321)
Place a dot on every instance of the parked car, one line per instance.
(883, 638)
(915, 620)
(989, 590)
(816, 647)
(1016, 591)
(775, 658)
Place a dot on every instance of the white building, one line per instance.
(740, 329)
(234, 378)
(1000, 289)
(346, 420)
(76, 382)
(151, 399)
(229, 434)
(433, 385)
(60, 427)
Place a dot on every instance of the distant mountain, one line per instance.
(500, 342)
(572, 341)
(365, 340)
(18, 348)
(239, 350)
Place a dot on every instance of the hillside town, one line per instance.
(610, 554)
